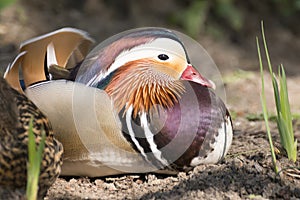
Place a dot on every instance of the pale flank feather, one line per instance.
(92, 140)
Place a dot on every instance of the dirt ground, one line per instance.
(246, 172)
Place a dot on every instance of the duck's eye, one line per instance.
(163, 57)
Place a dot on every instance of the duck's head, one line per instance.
(141, 67)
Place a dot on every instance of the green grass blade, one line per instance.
(276, 94)
(287, 117)
(31, 190)
(279, 120)
(34, 162)
(282, 132)
(284, 97)
(289, 144)
(264, 106)
(265, 113)
(266, 47)
(260, 65)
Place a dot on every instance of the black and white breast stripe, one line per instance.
(138, 133)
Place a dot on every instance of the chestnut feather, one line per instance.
(137, 83)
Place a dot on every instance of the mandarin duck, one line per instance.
(133, 104)
(16, 110)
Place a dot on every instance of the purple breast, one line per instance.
(173, 137)
(196, 117)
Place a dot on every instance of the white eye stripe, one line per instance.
(152, 49)
(140, 53)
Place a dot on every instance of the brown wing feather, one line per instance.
(68, 46)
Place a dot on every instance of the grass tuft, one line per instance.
(35, 154)
(284, 116)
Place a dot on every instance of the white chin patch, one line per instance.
(220, 147)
